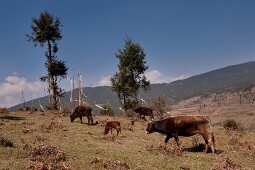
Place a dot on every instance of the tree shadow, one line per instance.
(12, 118)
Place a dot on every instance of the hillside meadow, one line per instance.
(47, 140)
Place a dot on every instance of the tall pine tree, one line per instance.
(130, 78)
(46, 32)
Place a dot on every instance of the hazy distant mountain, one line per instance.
(231, 78)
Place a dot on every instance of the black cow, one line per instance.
(144, 111)
(82, 111)
(184, 126)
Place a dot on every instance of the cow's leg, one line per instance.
(117, 131)
(177, 141)
(91, 120)
(111, 131)
(167, 138)
(81, 118)
(212, 143)
(206, 137)
(88, 120)
(151, 117)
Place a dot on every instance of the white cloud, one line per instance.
(105, 81)
(11, 89)
(156, 76)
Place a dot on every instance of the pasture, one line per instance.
(45, 139)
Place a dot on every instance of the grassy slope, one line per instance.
(82, 143)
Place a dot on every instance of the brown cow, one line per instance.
(184, 126)
(144, 111)
(110, 125)
(82, 111)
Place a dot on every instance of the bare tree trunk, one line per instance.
(51, 81)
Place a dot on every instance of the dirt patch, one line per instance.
(227, 164)
(40, 138)
(109, 164)
(248, 148)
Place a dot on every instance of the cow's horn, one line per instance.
(146, 132)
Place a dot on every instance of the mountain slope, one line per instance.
(231, 78)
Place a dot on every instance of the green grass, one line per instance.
(82, 144)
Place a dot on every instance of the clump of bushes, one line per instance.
(231, 124)
(130, 113)
(226, 163)
(4, 142)
(3, 110)
(46, 153)
(46, 158)
(109, 164)
(106, 111)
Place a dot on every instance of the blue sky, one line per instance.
(180, 37)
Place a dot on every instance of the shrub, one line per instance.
(107, 110)
(5, 142)
(130, 113)
(231, 124)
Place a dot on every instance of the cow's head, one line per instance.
(72, 117)
(150, 127)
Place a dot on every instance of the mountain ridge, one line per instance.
(227, 79)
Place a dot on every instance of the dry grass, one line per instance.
(51, 141)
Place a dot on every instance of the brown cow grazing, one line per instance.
(110, 125)
(144, 111)
(184, 126)
(82, 111)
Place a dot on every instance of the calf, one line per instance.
(110, 125)
(184, 126)
(144, 111)
(82, 111)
